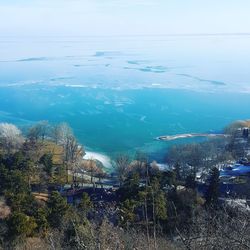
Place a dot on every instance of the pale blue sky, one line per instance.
(122, 17)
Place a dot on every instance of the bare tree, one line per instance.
(122, 162)
(10, 137)
(39, 131)
(92, 169)
(224, 229)
(73, 152)
(60, 133)
(55, 133)
(139, 165)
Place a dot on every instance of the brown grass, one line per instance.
(55, 150)
(244, 123)
(4, 210)
(41, 196)
(34, 243)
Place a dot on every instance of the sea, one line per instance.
(118, 93)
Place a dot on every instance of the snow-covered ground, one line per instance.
(104, 159)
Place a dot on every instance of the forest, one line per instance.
(51, 198)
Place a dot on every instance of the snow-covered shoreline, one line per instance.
(104, 159)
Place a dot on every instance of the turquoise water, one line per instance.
(119, 93)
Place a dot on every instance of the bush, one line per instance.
(20, 224)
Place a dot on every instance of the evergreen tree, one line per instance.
(85, 204)
(128, 211)
(212, 194)
(47, 162)
(3, 178)
(160, 206)
(130, 188)
(41, 220)
(19, 224)
(190, 181)
(58, 207)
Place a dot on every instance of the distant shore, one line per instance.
(184, 136)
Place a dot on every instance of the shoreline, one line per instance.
(104, 159)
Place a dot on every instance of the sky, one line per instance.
(122, 17)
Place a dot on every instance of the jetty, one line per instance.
(185, 136)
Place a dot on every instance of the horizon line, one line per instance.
(132, 35)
